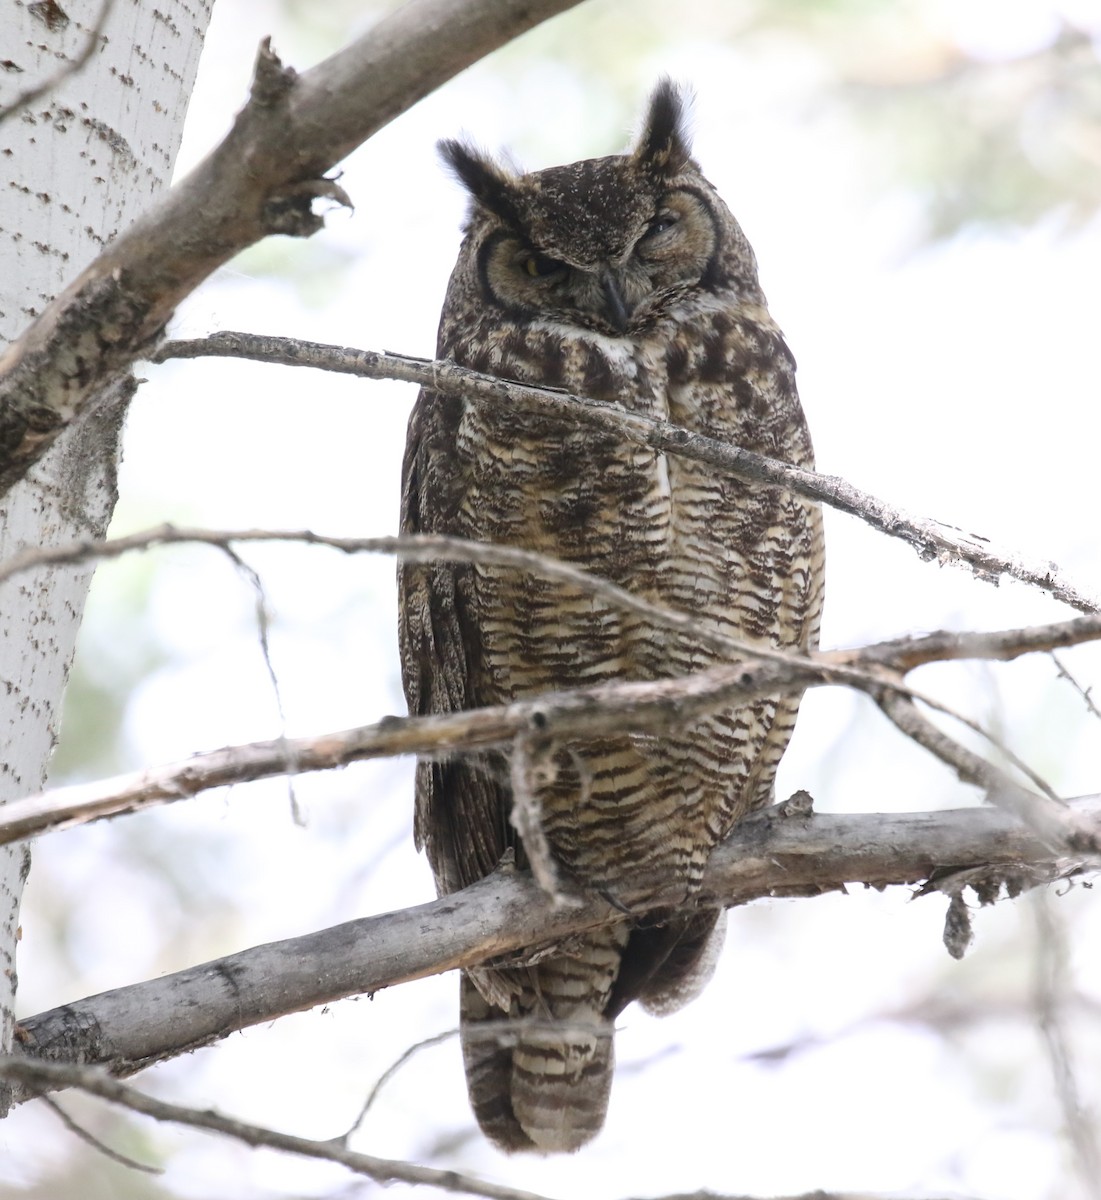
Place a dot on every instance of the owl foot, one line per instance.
(615, 902)
(798, 805)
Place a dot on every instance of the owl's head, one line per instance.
(606, 244)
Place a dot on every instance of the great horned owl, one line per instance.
(625, 279)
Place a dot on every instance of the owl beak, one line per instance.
(615, 306)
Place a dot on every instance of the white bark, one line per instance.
(78, 163)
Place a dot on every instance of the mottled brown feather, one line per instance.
(628, 280)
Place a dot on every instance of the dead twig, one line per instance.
(97, 1082)
(931, 539)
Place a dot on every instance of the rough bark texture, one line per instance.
(79, 162)
(785, 851)
(262, 179)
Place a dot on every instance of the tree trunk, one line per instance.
(80, 160)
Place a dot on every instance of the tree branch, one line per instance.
(1048, 817)
(564, 716)
(264, 178)
(931, 539)
(780, 852)
(41, 1076)
(421, 547)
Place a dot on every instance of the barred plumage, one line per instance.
(625, 279)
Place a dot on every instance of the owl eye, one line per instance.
(539, 266)
(661, 223)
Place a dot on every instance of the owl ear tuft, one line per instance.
(488, 184)
(663, 147)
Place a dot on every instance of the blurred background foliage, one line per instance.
(945, 123)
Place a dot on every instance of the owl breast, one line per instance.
(632, 808)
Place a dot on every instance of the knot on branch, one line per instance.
(291, 212)
(271, 80)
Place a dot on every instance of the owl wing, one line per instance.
(461, 816)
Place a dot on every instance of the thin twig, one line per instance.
(931, 539)
(263, 630)
(526, 815)
(1084, 692)
(1048, 817)
(99, 1146)
(98, 1083)
(408, 1053)
(1002, 645)
(1050, 986)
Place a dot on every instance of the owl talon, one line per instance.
(615, 902)
(798, 805)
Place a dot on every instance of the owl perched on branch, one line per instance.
(625, 279)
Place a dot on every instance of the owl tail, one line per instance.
(543, 1084)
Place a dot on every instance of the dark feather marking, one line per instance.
(486, 182)
(663, 149)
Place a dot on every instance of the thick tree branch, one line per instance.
(931, 539)
(264, 178)
(781, 852)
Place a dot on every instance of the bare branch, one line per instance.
(1001, 645)
(578, 714)
(767, 855)
(264, 178)
(47, 1075)
(931, 539)
(901, 654)
(429, 547)
(419, 547)
(1049, 818)
(100, 1147)
(410, 1052)
(95, 1082)
(564, 716)
(1084, 692)
(1050, 985)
